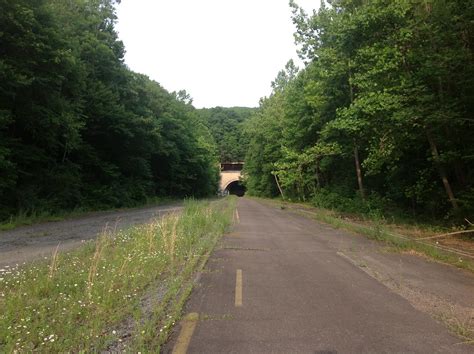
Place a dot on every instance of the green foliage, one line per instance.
(389, 85)
(264, 131)
(77, 128)
(226, 126)
(336, 199)
(80, 300)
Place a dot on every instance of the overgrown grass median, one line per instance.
(126, 287)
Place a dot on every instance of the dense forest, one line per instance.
(380, 117)
(77, 127)
(227, 128)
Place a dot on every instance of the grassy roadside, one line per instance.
(116, 293)
(24, 218)
(375, 228)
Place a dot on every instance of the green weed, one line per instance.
(78, 301)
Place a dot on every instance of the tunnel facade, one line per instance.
(231, 179)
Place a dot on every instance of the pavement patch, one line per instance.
(238, 288)
(187, 329)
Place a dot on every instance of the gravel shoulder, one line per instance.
(28, 243)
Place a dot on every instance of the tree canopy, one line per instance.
(382, 112)
(380, 116)
(77, 127)
(227, 128)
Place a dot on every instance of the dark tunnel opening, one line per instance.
(236, 188)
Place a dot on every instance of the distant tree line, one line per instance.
(227, 128)
(77, 127)
(382, 114)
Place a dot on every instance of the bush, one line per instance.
(331, 199)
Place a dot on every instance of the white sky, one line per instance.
(222, 52)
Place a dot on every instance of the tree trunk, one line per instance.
(358, 171)
(301, 184)
(351, 89)
(413, 206)
(356, 150)
(279, 187)
(460, 175)
(65, 153)
(442, 171)
(318, 178)
(457, 163)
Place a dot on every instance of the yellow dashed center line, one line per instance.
(187, 329)
(238, 288)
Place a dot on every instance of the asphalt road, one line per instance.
(281, 283)
(28, 243)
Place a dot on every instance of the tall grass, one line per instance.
(79, 301)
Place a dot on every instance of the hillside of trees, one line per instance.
(77, 127)
(227, 128)
(380, 117)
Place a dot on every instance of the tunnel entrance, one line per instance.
(236, 188)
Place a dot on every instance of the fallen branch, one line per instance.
(448, 234)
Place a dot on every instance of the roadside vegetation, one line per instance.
(78, 128)
(398, 235)
(379, 120)
(227, 128)
(123, 291)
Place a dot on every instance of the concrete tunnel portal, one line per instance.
(231, 179)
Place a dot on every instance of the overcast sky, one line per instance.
(222, 52)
